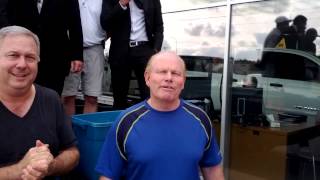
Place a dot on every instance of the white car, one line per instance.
(290, 80)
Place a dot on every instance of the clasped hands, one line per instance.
(37, 162)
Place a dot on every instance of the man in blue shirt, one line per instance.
(163, 137)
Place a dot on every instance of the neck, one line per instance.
(13, 95)
(164, 105)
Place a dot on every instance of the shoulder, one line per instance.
(201, 117)
(126, 121)
(196, 112)
(133, 113)
(46, 94)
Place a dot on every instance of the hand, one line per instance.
(76, 66)
(31, 174)
(124, 2)
(35, 164)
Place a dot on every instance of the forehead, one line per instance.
(167, 62)
(18, 43)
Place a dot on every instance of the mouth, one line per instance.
(20, 75)
(167, 88)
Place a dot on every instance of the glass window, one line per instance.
(198, 36)
(169, 5)
(274, 48)
(290, 58)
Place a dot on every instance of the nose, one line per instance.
(168, 76)
(22, 62)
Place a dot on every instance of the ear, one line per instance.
(146, 78)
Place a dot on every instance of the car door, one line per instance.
(292, 83)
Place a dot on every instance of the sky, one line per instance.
(202, 32)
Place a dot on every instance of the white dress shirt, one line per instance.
(90, 11)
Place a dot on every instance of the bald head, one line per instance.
(165, 55)
(165, 75)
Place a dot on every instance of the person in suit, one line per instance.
(3, 13)
(136, 31)
(58, 26)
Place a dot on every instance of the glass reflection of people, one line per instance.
(36, 138)
(217, 66)
(296, 32)
(251, 82)
(307, 43)
(275, 36)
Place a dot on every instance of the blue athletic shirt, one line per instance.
(160, 145)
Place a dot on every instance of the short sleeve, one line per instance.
(212, 156)
(66, 135)
(110, 163)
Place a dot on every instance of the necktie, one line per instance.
(139, 4)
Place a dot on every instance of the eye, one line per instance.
(31, 59)
(13, 56)
(176, 73)
(162, 72)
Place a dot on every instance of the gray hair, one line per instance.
(18, 30)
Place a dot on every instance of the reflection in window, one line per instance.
(195, 32)
(170, 5)
(277, 43)
(284, 24)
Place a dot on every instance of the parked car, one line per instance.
(290, 80)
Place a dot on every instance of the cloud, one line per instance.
(205, 43)
(211, 51)
(195, 31)
(205, 30)
(260, 37)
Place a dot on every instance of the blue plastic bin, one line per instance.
(91, 130)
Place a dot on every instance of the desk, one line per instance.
(261, 153)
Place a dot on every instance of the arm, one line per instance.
(64, 162)
(61, 164)
(75, 35)
(104, 178)
(213, 172)
(158, 26)
(34, 164)
(10, 172)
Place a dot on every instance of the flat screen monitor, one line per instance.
(247, 104)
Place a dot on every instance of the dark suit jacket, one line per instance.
(117, 23)
(3, 13)
(58, 27)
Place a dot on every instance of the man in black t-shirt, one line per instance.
(36, 138)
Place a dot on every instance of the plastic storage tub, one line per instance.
(91, 130)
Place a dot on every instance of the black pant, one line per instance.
(136, 60)
(51, 78)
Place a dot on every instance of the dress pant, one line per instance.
(51, 75)
(136, 60)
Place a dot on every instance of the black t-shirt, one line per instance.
(46, 121)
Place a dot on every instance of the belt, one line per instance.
(137, 43)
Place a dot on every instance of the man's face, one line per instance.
(165, 78)
(18, 61)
